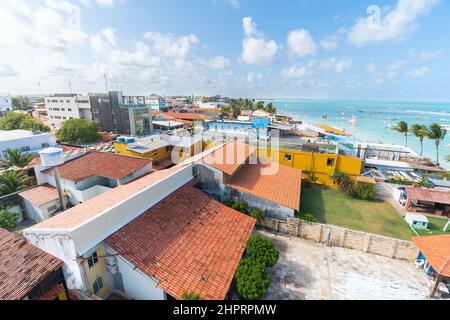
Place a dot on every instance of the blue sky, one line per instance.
(396, 50)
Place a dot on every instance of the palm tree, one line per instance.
(402, 127)
(12, 181)
(420, 131)
(437, 133)
(17, 158)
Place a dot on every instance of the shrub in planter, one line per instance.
(257, 213)
(364, 191)
(338, 177)
(240, 206)
(307, 217)
(262, 250)
(8, 219)
(252, 280)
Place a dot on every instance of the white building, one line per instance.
(62, 107)
(5, 103)
(156, 102)
(26, 141)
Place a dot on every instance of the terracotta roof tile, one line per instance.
(274, 182)
(432, 195)
(436, 250)
(22, 266)
(40, 195)
(108, 165)
(229, 157)
(188, 242)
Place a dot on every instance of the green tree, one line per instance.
(21, 103)
(16, 121)
(437, 133)
(188, 295)
(8, 219)
(420, 131)
(257, 214)
(252, 280)
(271, 108)
(12, 181)
(17, 158)
(78, 131)
(262, 250)
(402, 127)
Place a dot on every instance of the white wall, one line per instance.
(5, 103)
(80, 110)
(137, 285)
(138, 173)
(34, 142)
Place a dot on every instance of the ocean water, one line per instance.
(372, 118)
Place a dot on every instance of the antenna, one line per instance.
(70, 87)
(106, 82)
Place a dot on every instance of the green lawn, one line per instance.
(333, 207)
(436, 227)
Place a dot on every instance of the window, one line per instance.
(52, 209)
(69, 110)
(98, 284)
(24, 149)
(167, 149)
(330, 162)
(62, 109)
(92, 260)
(288, 157)
(45, 145)
(64, 118)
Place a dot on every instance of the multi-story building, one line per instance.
(5, 103)
(62, 107)
(156, 102)
(122, 114)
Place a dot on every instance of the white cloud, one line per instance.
(254, 77)
(371, 68)
(109, 34)
(397, 65)
(235, 4)
(218, 62)
(256, 49)
(427, 55)
(171, 46)
(301, 43)
(396, 25)
(296, 71)
(102, 3)
(335, 64)
(418, 73)
(329, 43)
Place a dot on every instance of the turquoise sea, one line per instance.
(373, 118)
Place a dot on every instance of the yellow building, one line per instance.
(98, 281)
(321, 165)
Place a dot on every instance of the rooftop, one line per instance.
(431, 195)
(103, 164)
(6, 135)
(274, 182)
(436, 250)
(22, 266)
(40, 195)
(188, 242)
(229, 157)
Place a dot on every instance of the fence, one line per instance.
(346, 238)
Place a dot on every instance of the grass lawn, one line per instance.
(334, 207)
(436, 227)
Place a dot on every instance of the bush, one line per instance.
(262, 250)
(338, 177)
(8, 219)
(307, 217)
(310, 177)
(257, 213)
(364, 191)
(252, 280)
(188, 295)
(240, 206)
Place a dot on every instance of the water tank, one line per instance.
(52, 157)
(121, 139)
(130, 140)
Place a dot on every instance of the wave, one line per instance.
(432, 113)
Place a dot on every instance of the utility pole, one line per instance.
(59, 187)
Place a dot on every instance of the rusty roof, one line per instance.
(103, 164)
(432, 195)
(22, 266)
(272, 181)
(436, 250)
(229, 157)
(188, 242)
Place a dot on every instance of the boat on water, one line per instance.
(353, 120)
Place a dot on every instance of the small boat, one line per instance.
(325, 117)
(353, 120)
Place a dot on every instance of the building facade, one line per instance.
(62, 107)
(26, 141)
(5, 103)
(122, 114)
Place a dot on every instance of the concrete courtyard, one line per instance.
(312, 271)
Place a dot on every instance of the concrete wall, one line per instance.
(41, 213)
(346, 238)
(211, 180)
(137, 285)
(271, 209)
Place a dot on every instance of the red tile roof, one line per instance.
(229, 157)
(432, 195)
(103, 164)
(274, 182)
(40, 195)
(186, 116)
(188, 242)
(22, 266)
(436, 250)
